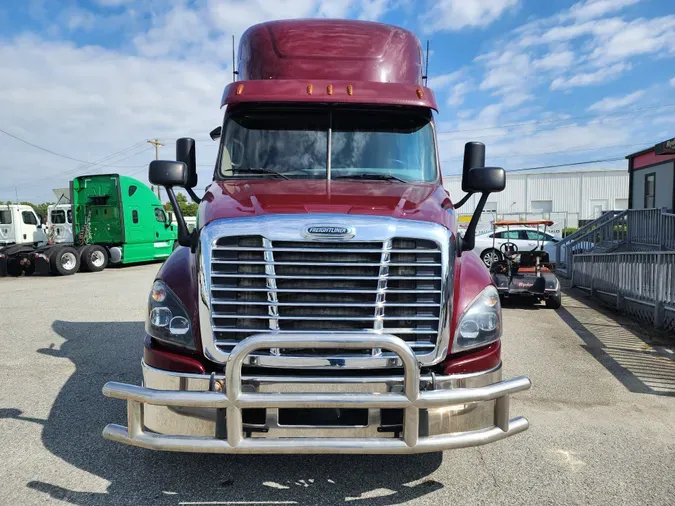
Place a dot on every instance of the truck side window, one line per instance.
(70, 216)
(159, 215)
(132, 189)
(28, 218)
(5, 217)
(134, 216)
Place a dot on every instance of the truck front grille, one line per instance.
(259, 285)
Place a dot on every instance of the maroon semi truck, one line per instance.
(325, 302)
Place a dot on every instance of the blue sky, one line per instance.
(540, 82)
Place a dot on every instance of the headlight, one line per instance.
(481, 322)
(167, 318)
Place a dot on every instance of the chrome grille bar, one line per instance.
(391, 277)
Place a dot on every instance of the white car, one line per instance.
(525, 238)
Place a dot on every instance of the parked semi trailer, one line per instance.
(325, 302)
(114, 219)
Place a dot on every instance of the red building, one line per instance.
(652, 177)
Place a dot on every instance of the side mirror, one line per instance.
(185, 152)
(477, 178)
(216, 133)
(485, 179)
(167, 173)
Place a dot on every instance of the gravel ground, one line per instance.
(602, 413)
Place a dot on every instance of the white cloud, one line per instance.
(609, 104)
(506, 71)
(442, 81)
(458, 14)
(555, 60)
(635, 38)
(372, 10)
(97, 101)
(672, 82)
(457, 93)
(113, 3)
(596, 8)
(80, 19)
(601, 76)
(330, 9)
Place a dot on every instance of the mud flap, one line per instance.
(3, 265)
(42, 267)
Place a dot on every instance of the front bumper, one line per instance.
(184, 412)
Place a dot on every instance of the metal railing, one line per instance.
(640, 283)
(634, 229)
(604, 234)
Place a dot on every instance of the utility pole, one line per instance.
(157, 144)
(16, 192)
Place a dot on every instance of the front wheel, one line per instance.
(65, 261)
(554, 301)
(490, 256)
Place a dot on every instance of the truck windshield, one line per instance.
(378, 144)
(5, 217)
(58, 217)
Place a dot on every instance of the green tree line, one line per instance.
(40, 209)
(187, 208)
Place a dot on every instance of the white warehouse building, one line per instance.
(571, 197)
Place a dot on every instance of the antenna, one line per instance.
(426, 66)
(234, 66)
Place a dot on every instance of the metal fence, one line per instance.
(633, 229)
(639, 283)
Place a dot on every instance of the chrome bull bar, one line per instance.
(234, 399)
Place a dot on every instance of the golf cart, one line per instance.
(526, 273)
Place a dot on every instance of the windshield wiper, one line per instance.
(260, 170)
(383, 177)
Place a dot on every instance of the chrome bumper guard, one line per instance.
(234, 399)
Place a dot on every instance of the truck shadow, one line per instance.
(628, 350)
(104, 351)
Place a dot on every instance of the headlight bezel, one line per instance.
(167, 300)
(483, 308)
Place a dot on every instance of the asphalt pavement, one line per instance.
(602, 414)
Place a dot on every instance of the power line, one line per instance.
(563, 151)
(571, 164)
(42, 148)
(81, 168)
(549, 122)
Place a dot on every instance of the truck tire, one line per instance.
(554, 301)
(65, 261)
(94, 258)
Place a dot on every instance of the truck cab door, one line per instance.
(31, 230)
(7, 225)
(165, 231)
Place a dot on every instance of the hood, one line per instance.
(236, 199)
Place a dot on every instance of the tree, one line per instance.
(187, 208)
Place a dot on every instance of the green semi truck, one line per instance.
(116, 219)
